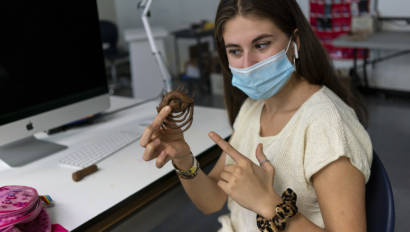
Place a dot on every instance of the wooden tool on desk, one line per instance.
(80, 174)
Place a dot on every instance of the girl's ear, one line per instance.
(296, 43)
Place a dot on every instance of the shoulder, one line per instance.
(328, 115)
(326, 107)
(333, 130)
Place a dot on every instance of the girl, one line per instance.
(299, 157)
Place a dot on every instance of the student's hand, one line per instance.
(245, 182)
(164, 144)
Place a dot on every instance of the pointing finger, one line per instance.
(226, 147)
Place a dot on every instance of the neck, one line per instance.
(289, 98)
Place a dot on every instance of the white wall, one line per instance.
(394, 8)
(304, 5)
(169, 14)
(106, 10)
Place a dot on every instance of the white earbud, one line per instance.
(295, 46)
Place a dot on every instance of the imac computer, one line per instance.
(52, 73)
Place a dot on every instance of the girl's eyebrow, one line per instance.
(263, 36)
(232, 45)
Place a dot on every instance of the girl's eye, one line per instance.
(262, 45)
(234, 52)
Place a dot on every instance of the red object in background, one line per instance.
(317, 9)
(58, 228)
(330, 20)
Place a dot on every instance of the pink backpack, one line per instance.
(21, 210)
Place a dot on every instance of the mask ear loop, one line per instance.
(288, 46)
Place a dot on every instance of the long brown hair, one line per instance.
(287, 15)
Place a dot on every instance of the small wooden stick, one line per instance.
(80, 174)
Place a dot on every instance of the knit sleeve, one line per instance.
(330, 138)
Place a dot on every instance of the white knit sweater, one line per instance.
(322, 130)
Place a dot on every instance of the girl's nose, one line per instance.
(248, 60)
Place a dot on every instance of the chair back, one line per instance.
(379, 199)
(109, 35)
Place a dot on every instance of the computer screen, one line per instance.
(51, 65)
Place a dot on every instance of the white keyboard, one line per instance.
(97, 148)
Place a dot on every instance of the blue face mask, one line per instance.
(264, 79)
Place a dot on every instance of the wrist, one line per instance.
(267, 209)
(283, 212)
(184, 162)
(187, 173)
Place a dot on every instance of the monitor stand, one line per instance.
(27, 150)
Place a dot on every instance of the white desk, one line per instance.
(383, 40)
(388, 40)
(120, 176)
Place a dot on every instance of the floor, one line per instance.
(389, 128)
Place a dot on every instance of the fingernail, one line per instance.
(162, 153)
(167, 108)
(142, 144)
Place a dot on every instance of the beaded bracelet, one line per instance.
(283, 212)
(190, 173)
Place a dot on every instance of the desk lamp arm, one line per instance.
(166, 76)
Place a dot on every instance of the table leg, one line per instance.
(365, 57)
(353, 71)
(204, 80)
(178, 71)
